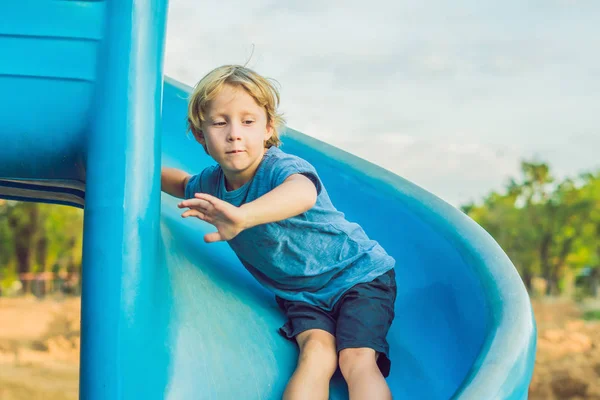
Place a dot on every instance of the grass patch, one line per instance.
(592, 315)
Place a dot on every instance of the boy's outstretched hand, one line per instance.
(227, 218)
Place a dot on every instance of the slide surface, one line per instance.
(187, 321)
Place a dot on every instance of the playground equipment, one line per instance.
(86, 119)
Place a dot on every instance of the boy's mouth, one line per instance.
(235, 151)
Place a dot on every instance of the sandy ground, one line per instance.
(568, 355)
(39, 351)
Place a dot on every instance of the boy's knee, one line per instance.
(355, 359)
(319, 351)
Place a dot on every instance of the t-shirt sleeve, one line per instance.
(193, 186)
(205, 182)
(286, 167)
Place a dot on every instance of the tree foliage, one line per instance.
(547, 227)
(38, 237)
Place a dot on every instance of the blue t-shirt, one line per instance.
(313, 257)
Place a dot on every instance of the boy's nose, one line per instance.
(234, 132)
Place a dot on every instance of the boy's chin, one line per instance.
(234, 168)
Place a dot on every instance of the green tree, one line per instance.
(588, 244)
(24, 223)
(543, 225)
(6, 237)
(37, 237)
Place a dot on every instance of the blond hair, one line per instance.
(262, 90)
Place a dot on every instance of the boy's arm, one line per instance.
(173, 181)
(294, 196)
(297, 194)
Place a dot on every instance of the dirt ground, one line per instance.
(568, 355)
(39, 351)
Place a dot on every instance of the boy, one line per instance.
(335, 285)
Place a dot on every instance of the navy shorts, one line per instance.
(361, 317)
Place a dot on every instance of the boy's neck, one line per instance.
(236, 182)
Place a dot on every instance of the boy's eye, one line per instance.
(248, 122)
(221, 123)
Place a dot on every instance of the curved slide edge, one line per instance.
(503, 365)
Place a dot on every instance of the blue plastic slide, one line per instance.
(86, 120)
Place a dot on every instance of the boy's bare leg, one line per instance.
(364, 379)
(317, 363)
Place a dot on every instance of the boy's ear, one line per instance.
(199, 135)
(269, 131)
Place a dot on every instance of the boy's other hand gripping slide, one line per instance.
(227, 218)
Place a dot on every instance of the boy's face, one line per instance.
(235, 131)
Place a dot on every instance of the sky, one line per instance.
(449, 95)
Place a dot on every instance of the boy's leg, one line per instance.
(366, 312)
(362, 374)
(317, 363)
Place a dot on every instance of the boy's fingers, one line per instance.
(187, 213)
(212, 237)
(193, 213)
(190, 203)
(200, 195)
(206, 197)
